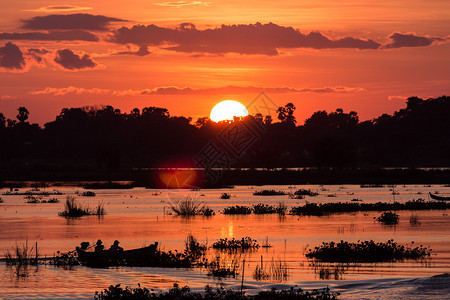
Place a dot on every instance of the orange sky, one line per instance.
(356, 55)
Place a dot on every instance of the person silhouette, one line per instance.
(99, 247)
(115, 247)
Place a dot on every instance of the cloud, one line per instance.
(173, 90)
(70, 90)
(70, 22)
(59, 8)
(7, 97)
(399, 40)
(69, 60)
(256, 38)
(142, 51)
(70, 35)
(183, 3)
(11, 57)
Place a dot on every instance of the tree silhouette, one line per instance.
(2, 121)
(286, 114)
(23, 114)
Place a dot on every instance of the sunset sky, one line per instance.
(186, 56)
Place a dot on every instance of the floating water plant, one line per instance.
(366, 251)
(225, 196)
(88, 194)
(233, 244)
(237, 210)
(269, 193)
(339, 207)
(388, 218)
(177, 292)
(260, 209)
(303, 192)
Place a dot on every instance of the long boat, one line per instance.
(106, 258)
(440, 198)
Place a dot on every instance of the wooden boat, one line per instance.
(440, 198)
(106, 258)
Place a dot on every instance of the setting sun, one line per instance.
(227, 110)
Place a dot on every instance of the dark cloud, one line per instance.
(11, 57)
(399, 40)
(70, 35)
(142, 51)
(244, 39)
(71, 61)
(70, 22)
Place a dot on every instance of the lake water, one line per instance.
(139, 217)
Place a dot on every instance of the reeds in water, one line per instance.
(224, 266)
(388, 218)
(277, 270)
(269, 193)
(74, 209)
(244, 243)
(189, 206)
(414, 219)
(22, 254)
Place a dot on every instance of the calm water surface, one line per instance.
(138, 217)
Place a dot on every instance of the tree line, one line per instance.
(105, 138)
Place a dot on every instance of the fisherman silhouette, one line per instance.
(99, 247)
(115, 247)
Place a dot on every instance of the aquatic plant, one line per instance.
(51, 200)
(366, 251)
(414, 219)
(1, 200)
(189, 206)
(276, 270)
(304, 192)
(107, 185)
(225, 196)
(88, 194)
(340, 207)
(220, 293)
(74, 209)
(33, 199)
(224, 266)
(193, 247)
(260, 209)
(237, 210)
(22, 254)
(388, 218)
(281, 208)
(269, 193)
(298, 197)
(372, 185)
(233, 244)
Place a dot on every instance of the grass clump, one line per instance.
(220, 292)
(269, 193)
(74, 209)
(367, 251)
(194, 248)
(388, 218)
(190, 207)
(244, 243)
(224, 267)
(237, 210)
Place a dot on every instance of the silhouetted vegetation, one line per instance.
(303, 192)
(74, 209)
(237, 210)
(225, 196)
(220, 293)
(341, 207)
(244, 243)
(269, 193)
(366, 251)
(189, 206)
(88, 194)
(388, 218)
(103, 143)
